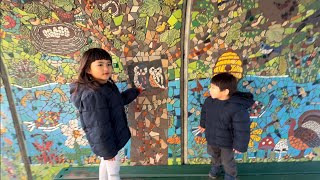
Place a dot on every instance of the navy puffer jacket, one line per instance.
(103, 117)
(227, 122)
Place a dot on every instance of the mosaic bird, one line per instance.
(139, 78)
(311, 39)
(161, 27)
(307, 134)
(197, 89)
(258, 109)
(302, 92)
(267, 49)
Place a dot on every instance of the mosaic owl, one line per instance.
(156, 77)
(139, 78)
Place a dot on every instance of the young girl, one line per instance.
(101, 108)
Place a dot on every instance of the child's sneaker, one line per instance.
(215, 172)
(213, 176)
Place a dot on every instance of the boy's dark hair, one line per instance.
(87, 58)
(225, 81)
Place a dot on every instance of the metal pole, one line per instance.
(15, 119)
(185, 36)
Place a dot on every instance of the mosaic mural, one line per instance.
(275, 54)
(41, 42)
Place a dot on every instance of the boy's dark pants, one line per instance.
(224, 157)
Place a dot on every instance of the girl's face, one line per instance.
(101, 70)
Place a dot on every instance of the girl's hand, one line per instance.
(140, 89)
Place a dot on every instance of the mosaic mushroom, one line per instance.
(266, 144)
(281, 146)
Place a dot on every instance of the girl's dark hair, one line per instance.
(87, 58)
(225, 81)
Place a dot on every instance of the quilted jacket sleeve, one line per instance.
(241, 130)
(203, 114)
(129, 95)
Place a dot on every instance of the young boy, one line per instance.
(225, 120)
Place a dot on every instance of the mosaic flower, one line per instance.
(203, 19)
(10, 23)
(174, 139)
(23, 71)
(174, 145)
(92, 160)
(200, 140)
(205, 6)
(3, 130)
(74, 134)
(47, 118)
(255, 134)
